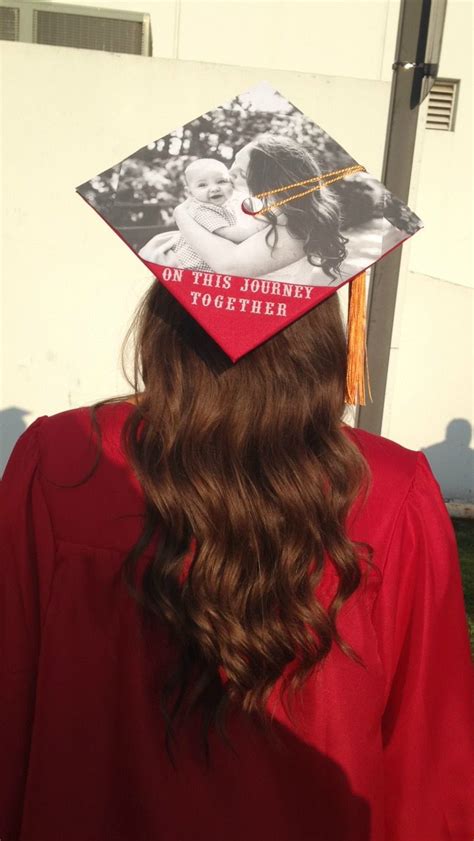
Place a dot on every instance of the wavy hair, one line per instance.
(247, 467)
(277, 161)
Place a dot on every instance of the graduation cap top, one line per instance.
(250, 215)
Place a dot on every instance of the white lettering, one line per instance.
(230, 303)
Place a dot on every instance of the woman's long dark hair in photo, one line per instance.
(277, 161)
(251, 462)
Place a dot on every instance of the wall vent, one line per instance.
(442, 101)
(83, 27)
(9, 23)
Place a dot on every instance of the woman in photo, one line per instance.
(302, 235)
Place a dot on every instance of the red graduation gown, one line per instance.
(381, 753)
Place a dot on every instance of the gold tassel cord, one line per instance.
(326, 181)
(357, 380)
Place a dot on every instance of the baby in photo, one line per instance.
(212, 203)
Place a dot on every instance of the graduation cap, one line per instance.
(251, 215)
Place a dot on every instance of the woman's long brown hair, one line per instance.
(249, 463)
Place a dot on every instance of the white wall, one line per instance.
(69, 284)
(444, 251)
(430, 395)
(354, 38)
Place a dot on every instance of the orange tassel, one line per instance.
(357, 380)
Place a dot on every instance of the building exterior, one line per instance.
(69, 113)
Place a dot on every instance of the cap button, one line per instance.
(252, 205)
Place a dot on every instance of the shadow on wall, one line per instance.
(452, 461)
(12, 425)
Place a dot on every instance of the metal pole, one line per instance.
(415, 67)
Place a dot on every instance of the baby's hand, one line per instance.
(246, 227)
(260, 222)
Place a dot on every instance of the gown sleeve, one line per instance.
(428, 715)
(26, 571)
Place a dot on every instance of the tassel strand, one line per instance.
(357, 380)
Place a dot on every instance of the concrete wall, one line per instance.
(354, 38)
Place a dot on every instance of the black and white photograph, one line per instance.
(179, 201)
